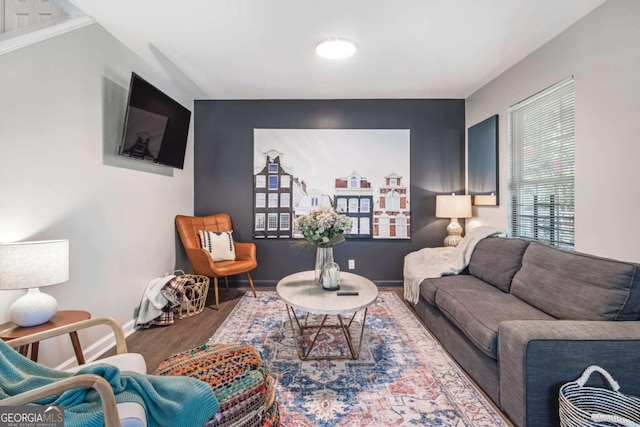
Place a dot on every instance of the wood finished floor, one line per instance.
(158, 343)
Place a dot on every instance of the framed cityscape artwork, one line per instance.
(363, 173)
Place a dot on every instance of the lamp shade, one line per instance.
(452, 206)
(484, 200)
(26, 265)
(31, 265)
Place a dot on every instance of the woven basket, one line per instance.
(195, 294)
(582, 406)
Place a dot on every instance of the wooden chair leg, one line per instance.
(215, 291)
(252, 287)
(226, 282)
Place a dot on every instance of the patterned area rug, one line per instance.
(402, 378)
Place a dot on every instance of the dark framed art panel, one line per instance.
(482, 151)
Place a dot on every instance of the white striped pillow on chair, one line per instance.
(219, 245)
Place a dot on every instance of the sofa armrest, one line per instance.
(536, 357)
(121, 343)
(102, 386)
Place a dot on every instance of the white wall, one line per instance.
(602, 52)
(62, 105)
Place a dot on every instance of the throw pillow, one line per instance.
(219, 245)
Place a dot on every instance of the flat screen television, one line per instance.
(156, 126)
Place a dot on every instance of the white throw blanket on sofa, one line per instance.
(430, 263)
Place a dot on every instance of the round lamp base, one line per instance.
(33, 308)
(455, 234)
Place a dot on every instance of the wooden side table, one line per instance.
(10, 331)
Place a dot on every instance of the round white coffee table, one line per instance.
(299, 291)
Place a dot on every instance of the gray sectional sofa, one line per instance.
(525, 318)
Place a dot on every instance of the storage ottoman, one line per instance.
(239, 377)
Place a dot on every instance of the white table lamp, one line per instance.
(454, 207)
(31, 265)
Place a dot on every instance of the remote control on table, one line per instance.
(347, 293)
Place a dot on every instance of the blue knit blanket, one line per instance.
(174, 401)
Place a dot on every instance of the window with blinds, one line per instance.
(541, 135)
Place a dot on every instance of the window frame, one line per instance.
(261, 222)
(287, 221)
(364, 225)
(392, 200)
(272, 218)
(272, 182)
(273, 200)
(541, 175)
(353, 205)
(285, 200)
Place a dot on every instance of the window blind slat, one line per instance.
(541, 135)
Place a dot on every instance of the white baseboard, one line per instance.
(100, 347)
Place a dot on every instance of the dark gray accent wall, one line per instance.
(224, 172)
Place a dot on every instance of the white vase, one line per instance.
(323, 257)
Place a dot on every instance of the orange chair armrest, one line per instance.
(201, 261)
(245, 250)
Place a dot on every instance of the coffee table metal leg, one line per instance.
(299, 341)
(347, 334)
(313, 342)
(364, 320)
(291, 311)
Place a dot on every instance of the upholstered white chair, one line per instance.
(126, 414)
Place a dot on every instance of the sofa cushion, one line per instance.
(429, 287)
(497, 259)
(576, 286)
(478, 313)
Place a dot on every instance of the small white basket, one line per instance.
(582, 406)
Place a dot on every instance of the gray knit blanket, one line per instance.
(431, 263)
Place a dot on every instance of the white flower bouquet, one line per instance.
(324, 227)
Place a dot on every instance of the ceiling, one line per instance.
(264, 49)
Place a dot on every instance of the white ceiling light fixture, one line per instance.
(336, 48)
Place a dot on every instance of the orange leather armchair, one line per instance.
(201, 261)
